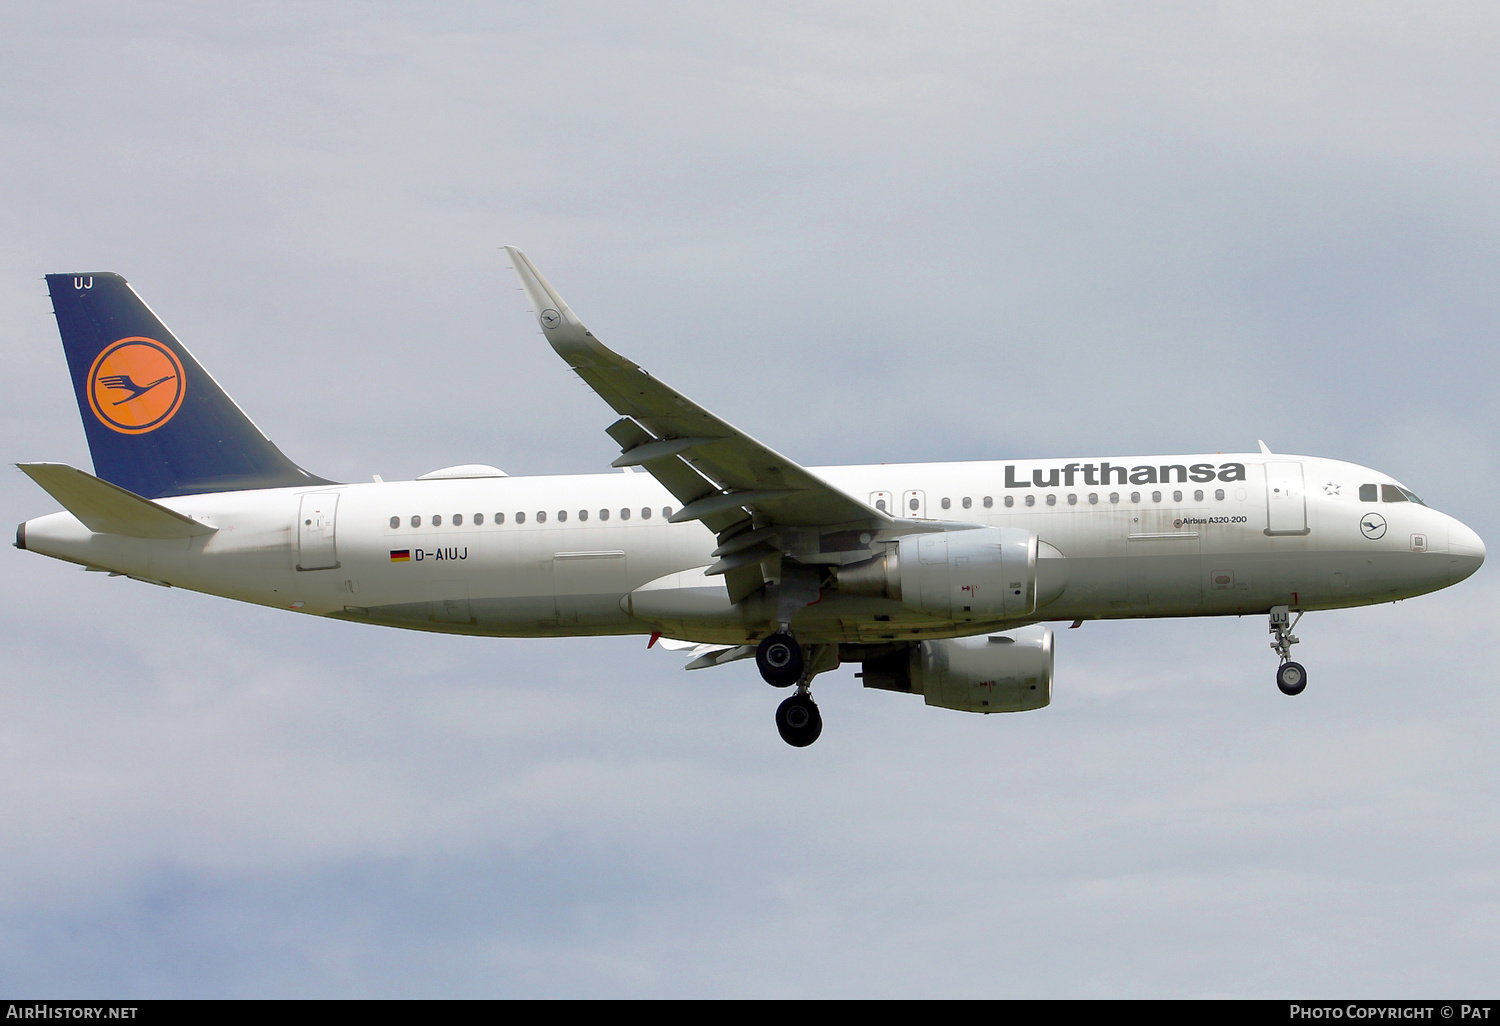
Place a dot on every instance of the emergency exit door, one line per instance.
(316, 546)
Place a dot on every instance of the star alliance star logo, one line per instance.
(1330, 488)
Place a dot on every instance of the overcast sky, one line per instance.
(863, 232)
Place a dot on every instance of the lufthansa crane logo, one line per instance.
(551, 318)
(136, 385)
(1372, 526)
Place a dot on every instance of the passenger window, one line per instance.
(583, 514)
(1010, 500)
(645, 512)
(416, 521)
(604, 514)
(395, 523)
(562, 516)
(437, 520)
(1093, 498)
(1156, 496)
(541, 516)
(913, 505)
(624, 514)
(1135, 496)
(1367, 493)
(520, 518)
(1031, 500)
(458, 520)
(988, 502)
(1198, 495)
(666, 511)
(1176, 496)
(968, 502)
(478, 519)
(499, 519)
(1072, 499)
(1114, 496)
(880, 505)
(947, 502)
(1219, 494)
(1390, 493)
(1051, 499)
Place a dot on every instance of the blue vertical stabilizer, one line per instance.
(156, 422)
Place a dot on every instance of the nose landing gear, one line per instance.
(1291, 677)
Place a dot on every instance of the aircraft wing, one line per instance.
(720, 474)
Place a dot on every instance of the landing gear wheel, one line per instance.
(1291, 678)
(779, 659)
(799, 721)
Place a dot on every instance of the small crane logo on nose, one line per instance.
(1372, 526)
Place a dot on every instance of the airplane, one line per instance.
(939, 579)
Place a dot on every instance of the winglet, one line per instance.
(106, 508)
(573, 342)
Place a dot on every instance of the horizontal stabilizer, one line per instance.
(109, 509)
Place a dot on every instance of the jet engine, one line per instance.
(988, 573)
(1002, 673)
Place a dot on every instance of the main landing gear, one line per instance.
(1291, 677)
(781, 662)
(778, 657)
(798, 720)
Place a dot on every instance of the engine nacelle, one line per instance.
(1001, 673)
(987, 573)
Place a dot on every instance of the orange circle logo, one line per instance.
(136, 385)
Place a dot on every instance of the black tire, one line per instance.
(778, 657)
(798, 721)
(1291, 678)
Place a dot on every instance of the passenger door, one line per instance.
(1286, 501)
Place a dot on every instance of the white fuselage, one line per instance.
(536, 556)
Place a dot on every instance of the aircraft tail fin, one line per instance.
(157, 422)
(109, 509)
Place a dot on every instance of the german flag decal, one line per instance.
(401, 555)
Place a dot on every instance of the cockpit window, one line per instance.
(1367, 492)
(1411, 497)
(1391, 493)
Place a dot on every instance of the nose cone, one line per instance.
(1465, 551)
